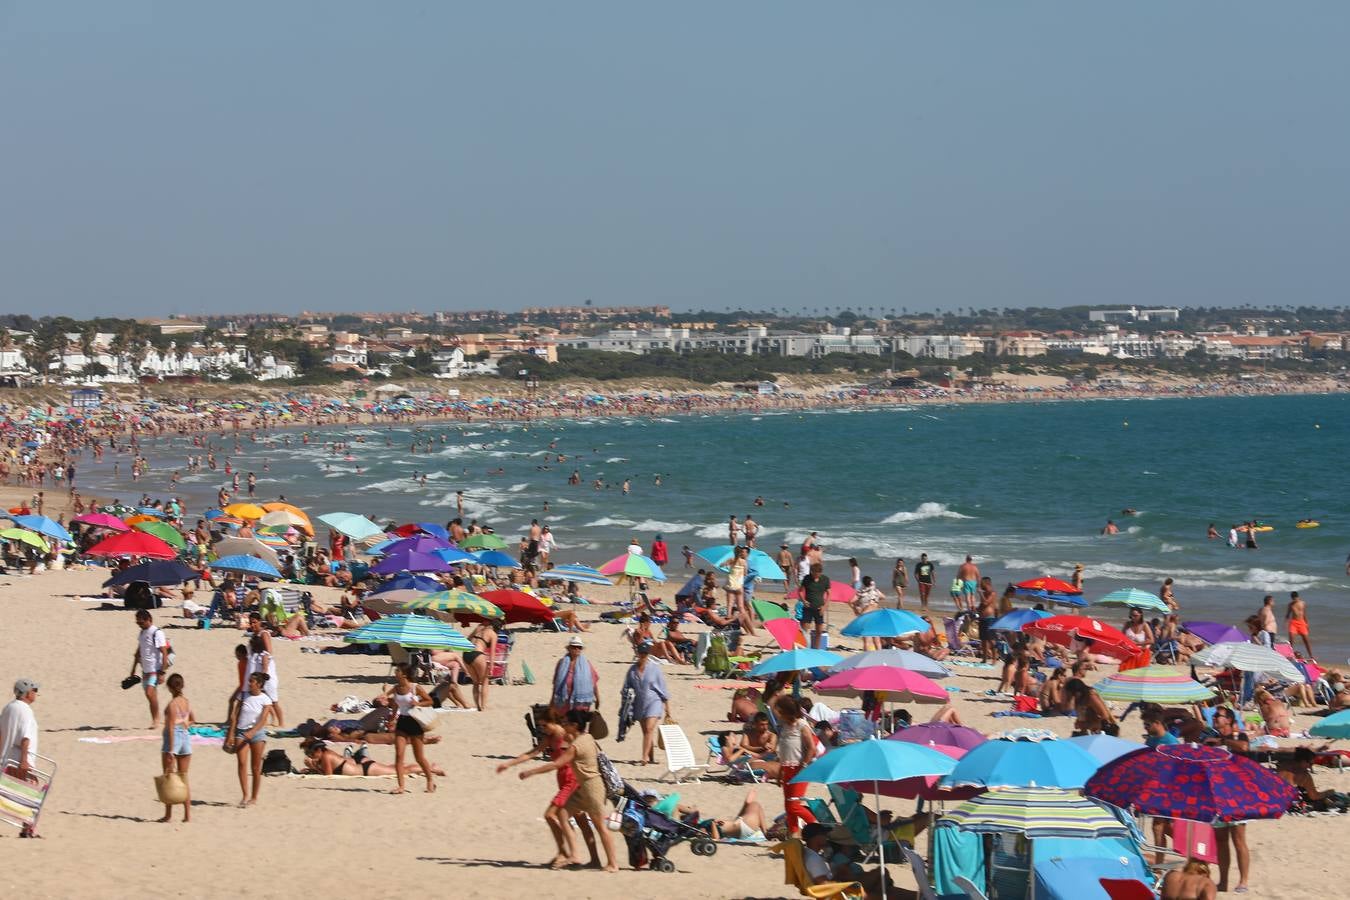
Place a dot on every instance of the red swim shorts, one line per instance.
(1298, 627)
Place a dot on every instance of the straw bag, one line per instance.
(661, 741)
(171, 789)
(425, 717)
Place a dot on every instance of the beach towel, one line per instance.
(956, 854)
(1017, 713)
(197, 740)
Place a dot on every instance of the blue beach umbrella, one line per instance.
(156, 572)
(1014, 620)
(885, 623)
(43, 526)
(876, 761)
(575, 572)
(1333, 726)
(1074, 600)
(496, 559)
(796, 660)
(212, 514)
(1105, 748)
(246, 565)
(757, 561)
(454, 555)
(1003, 763)
(404, 581)
(434, 530)
(150, 511)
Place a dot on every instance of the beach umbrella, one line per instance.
(1333, 726)
(899, 685)
(1193, 782)
(575, 572)
(165, 532)
(140, 517)
(1036, 813)
(249, 511)
(517, 606)
(768, 611)
(299, 518)
(1134, 599)
(939, 735)
(1215, 632)
(1014, 620)
(101, 520)
(212, 514)
(245, 546)
(133, 543)
(1247, 658)
(152, 511)
(1074, 600)
(428, 528)
(24, 536)
(1153, 684)
(421, 584)
(1105, 748)
(896, 659)
(454, 555)
(158, 572)
(758, 562)
(634, 565)
(838, 592)
(455, 602)
(1062, 630)
(358, 528)
(285, 519)
(410, 561)
(420, 544)
(496, 559)
(795, 660)
(247, 565)
(482, 542)
(875, 761)
(787, 633)
(1005, 763)
(43, 526)
(885, 623)
(410, 631)
(1046, 583)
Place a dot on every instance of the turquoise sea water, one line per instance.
(1025, 488)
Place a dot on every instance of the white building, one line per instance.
(1134, 314)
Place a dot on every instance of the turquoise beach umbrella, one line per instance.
(358, 528)
(1134, 599)
(410, 631)
(1334, 726)
(796, 660)
(886, 623)
(757, 561)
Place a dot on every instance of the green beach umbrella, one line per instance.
(768, 610)
(455, 602)
(410, 631)
(26, 537)
(1134, 599)
(482, 542)
(164, 531)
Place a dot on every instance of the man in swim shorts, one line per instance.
(969, 573)
(1297, 617)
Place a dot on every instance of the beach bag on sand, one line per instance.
(660, 741)
(276, 762)
(171, 789)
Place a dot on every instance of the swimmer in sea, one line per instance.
(1213, 532)
(1110, 528)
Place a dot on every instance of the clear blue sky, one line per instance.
(174, 156)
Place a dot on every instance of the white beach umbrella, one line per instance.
(1248, 658)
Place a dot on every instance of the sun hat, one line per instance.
(575, 642)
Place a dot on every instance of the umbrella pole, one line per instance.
(881, 838)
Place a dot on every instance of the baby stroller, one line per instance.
(650, 834)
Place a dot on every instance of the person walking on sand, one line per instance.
(651, 698)
(176, 751)
(152, 655)
(900, 581)
(815, 590)
(587, 802)
(19, 736)
(1297, 618)
(924, 573)
(246, 736)
(260, 659)
(551, 738)
(576, 684)
(407, 696)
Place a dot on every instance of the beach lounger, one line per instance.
(795, 867)
(21, 801)
(679, 754)
(920, 871)
(972, 892)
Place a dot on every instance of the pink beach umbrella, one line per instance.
(102, 520)
(839, 592)
(899, 685)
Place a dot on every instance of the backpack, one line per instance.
(276, 762)
(717, 662)
(608, 774)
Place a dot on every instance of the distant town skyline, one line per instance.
(208, 159)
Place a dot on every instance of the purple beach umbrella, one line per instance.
(940, 734)
(1214, 632)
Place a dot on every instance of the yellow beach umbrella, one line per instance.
(245, 510)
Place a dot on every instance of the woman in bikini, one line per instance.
(478, 662)
(320, 759)
(552, 739)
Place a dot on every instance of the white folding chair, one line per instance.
(680, 760)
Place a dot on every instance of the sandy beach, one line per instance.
(480, 835)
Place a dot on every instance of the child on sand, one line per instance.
(177, 747)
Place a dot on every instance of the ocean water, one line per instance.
(1024, 488)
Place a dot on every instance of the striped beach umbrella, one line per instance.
(634, 565)
(410, 631)
(1036, 813)
(574, 572)
(1153, 684)
(1134, 599)
(454, 602)
(1248, 658)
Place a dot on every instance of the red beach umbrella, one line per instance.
(1045, 583)
(133, 543)
(1062, 630)
(517, 605)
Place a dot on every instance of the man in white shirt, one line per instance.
(19, 734)
(152, 655)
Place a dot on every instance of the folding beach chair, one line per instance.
(851, 816)
(796, 876)
(957, 645)
(679, 754)
(919, 869)
(739, 769)
(21, 800)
